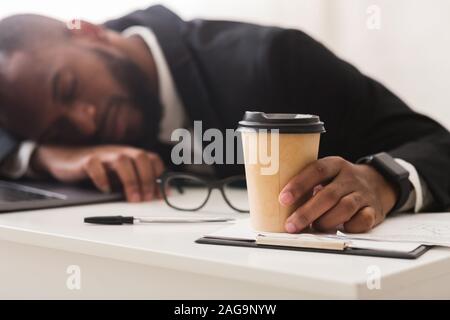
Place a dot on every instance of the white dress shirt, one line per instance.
(173, 111)
(17, 165)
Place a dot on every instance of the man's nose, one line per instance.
(84, 115)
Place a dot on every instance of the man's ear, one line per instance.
(82, 28)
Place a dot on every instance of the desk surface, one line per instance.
(172, 246)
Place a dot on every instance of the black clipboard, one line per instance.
(351, 251)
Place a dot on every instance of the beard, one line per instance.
(138, 85)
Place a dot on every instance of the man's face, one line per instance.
(77, 92)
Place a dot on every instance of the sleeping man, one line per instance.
(88, 102)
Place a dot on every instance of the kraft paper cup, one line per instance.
(276, 148)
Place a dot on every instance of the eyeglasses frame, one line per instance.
(209, 183)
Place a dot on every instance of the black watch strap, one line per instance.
(393, 172)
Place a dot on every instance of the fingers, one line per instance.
(136, 169)
(140, 185)
(349, 199)
(158, 168)
(347, 207)
(146, 175)
(158, 164)
(318, 205)
(125, 170)
(316, 173)
(363, 221)
(98, 174)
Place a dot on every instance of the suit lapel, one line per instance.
(169, 29)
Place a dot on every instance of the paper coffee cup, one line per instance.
(276, 148)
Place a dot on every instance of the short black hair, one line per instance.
(27, 31)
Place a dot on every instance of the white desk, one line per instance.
(162, 261)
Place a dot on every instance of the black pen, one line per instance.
(118, 220)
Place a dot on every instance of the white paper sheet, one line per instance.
(425, 228)
(241, 230)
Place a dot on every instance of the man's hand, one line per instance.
(355, 196)
(136, 169)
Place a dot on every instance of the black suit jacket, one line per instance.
(223, 68)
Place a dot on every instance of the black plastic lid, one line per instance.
(284, 122)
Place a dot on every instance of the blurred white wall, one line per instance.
(403, 43)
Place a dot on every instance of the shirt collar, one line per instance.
(168, 95)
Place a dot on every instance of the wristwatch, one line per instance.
(393, 172)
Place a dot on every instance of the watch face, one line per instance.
(391, 166)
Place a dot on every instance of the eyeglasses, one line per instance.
(188, 192)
